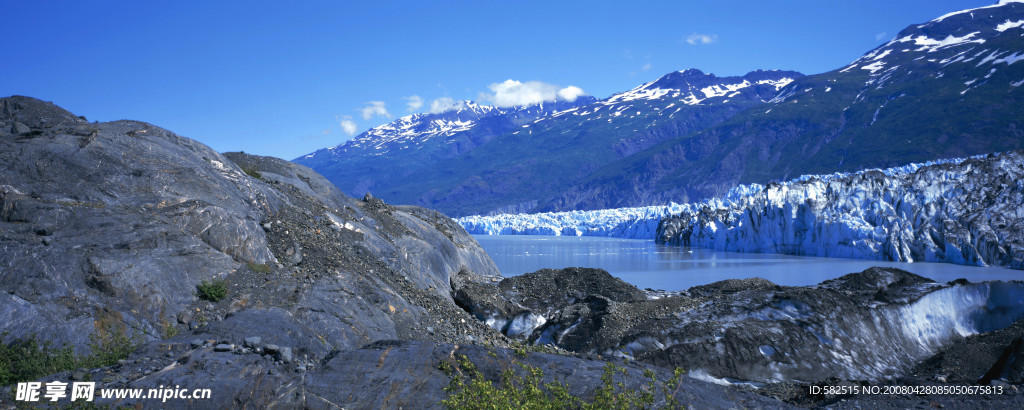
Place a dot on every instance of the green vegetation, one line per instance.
(253, 173)
(29, 359)
(521, 387)
(259, 267)
(213, 290)
(169, 330)
(109, 345)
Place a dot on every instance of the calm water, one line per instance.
(648, 265)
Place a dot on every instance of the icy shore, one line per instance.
(965, 211)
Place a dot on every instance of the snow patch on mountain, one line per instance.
(416, 129)
(1008, 25)
(931, 45)
(689, 93)
(955, 13)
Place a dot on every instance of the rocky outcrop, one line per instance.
(338, 302)
(114, 224)
(330, 301)
(873, 325)
(965, 212)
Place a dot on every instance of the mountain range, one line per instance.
(945, 88)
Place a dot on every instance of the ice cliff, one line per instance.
(965, 212)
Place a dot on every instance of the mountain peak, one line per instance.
(693, 86)
(685, 79)
(970, 12)
(414, 132)
(470, 106)
(34, 113)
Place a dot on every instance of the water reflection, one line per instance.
(648, 265)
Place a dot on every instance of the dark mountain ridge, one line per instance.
(945, 88)
(513, 168)
(950, 87)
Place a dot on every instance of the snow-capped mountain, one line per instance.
(975, 47)
(415, 131)
(395, 150)
(474, 158)
(692, 86)
(950, 87)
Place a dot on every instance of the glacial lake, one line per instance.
(648, 265)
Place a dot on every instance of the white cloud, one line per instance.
(374, 109)
(346, 123)
(441, 104)
(880, 36)
(413, 102)
(646, 67)
(512, 93)
(571, 93)
(695, 38)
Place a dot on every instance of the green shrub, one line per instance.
(213, 290)
(28, 359)
(253, 173)
(259, 267)
(169, 330)
(108, 346)
(519, 390)
(522, 387)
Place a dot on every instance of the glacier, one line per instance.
(968, 212)
(961, 210)
(637, 223)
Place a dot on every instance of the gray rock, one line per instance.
(196, 343)
(184, 317)
(194, 215)
(19, 128)
(252, 342)
(285, 354)
(409, 370)
(223, 347)
(294, 254)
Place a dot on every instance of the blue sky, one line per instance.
(285, 80)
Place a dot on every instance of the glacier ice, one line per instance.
(966, 212)
(640, 222)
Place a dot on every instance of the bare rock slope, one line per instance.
(330, 301)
